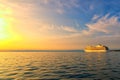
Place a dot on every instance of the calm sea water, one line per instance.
(59, 66)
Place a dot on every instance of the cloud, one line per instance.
(105, 30)
(69, 29)
(106, 25)
(61, 3)
(60, 6)
(60, 11)
(95, 17)
(31, 18)
(45, 1)
(51, 27)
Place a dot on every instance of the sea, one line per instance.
(59, 65)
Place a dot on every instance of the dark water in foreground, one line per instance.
(59, 66)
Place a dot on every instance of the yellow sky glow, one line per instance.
(7, 35)
(13, 36)
(29, 25)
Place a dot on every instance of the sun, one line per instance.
(7, 31)
(3, 24)
(5, 21)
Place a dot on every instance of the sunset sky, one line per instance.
(59, 24)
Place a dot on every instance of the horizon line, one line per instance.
(76, 50)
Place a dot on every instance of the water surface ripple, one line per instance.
(59, 66)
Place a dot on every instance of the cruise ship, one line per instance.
(97, 48)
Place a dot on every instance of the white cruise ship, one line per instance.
(97, 48)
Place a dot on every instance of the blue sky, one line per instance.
(71, 24)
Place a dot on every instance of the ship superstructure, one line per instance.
(97, 48)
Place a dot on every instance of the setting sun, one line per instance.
(3, 28)
(7, 20)
(2, 23)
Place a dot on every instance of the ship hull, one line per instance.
(95, 50)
